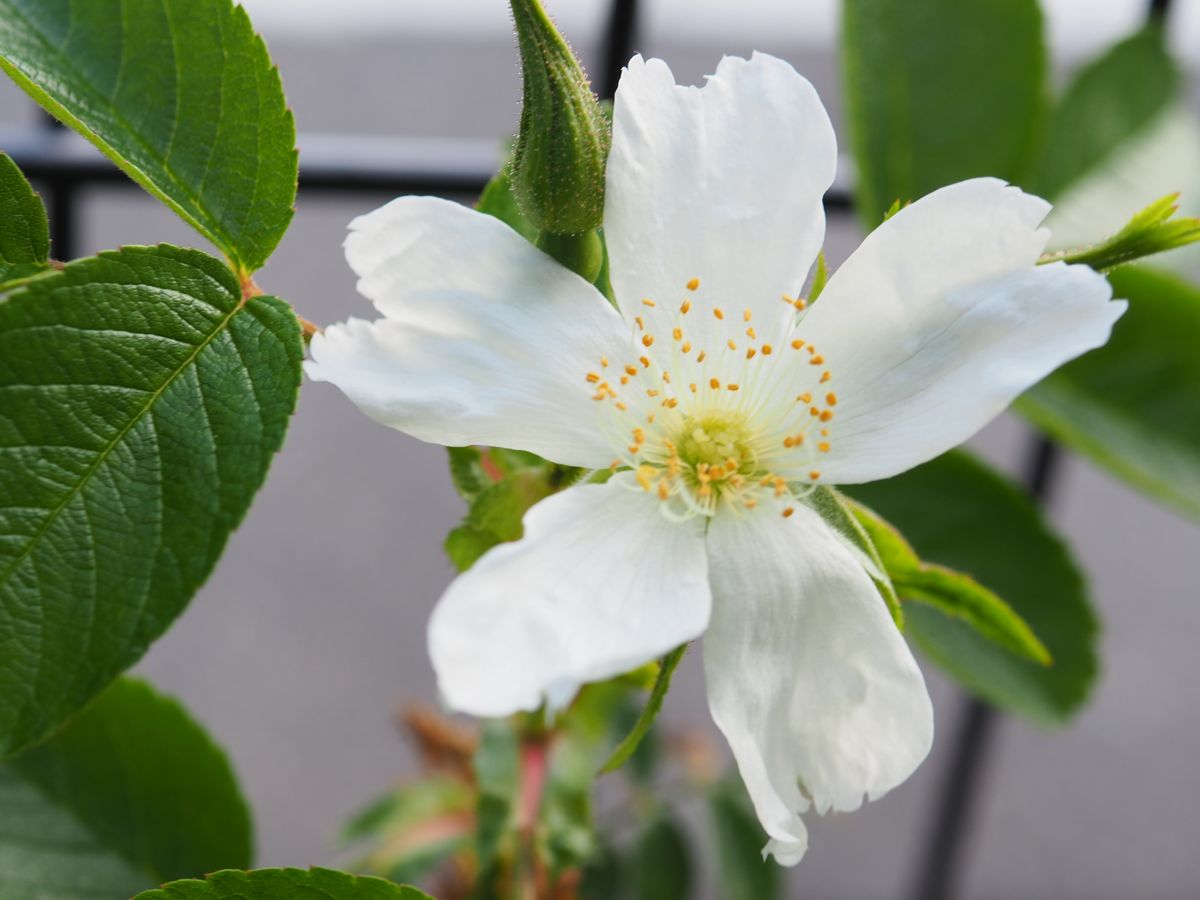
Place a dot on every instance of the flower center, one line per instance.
(715, 409)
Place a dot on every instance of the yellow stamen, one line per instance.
(729, 343)
(677, 334)
(767, 349)
(746, 315)
(685, 306)
(648, 302)
(797, 344)
(693, 284)
(787, 511)
(750, 353)
(831, 398)
(814, 474)
(593, 377)
(640, 324)
(630, 370)
(823, 447)
(645, 361)
(731, 387)
(647, 340)
(714, 383)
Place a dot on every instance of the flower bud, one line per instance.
(562, 147)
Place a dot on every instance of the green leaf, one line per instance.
(953, 593)
(1130, 406)
(661, 868)
(497, 766)
(1109, 101)
(284, 884)
(840, 515)
(958, 512)
(1150, 231)
(498, 200)
(24, 231)
(181, 95)
(744, 874)
(467, 472)
(131, 793)
(142, 405)
(650, 711)
(938, 91)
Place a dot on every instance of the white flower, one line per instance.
(725, 398)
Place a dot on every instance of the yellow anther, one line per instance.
(717, 312)
(816, 360)
(780, 485)
(750, 503)
(806, 397)
(693, 387)
(630, 370)
(811, 349)
(644, 474)
(663, 490)
(687, 347)
(750, 352)
(814, 411)
(640, 324)
(650, 419)
(789, 442)
(593, 377)
(685, 306)
(824, 432)
(731, 464)
(751, 333)
(604, 361)
(639, 436)
(634, 448)
(647, 340)
(614, 464)
(677, 334)
(788, 300)
(714, 383)
(831, 398)
(823, 447)
(787, 511)
(814, 474)
(827, 415)
(607, 387)
(730, 344)
(731, 387)
(666, 377)
(825, 376)
(693, 284)
(621, 406)
(767, 349)
(651, 392)
(801, 303)
(648, 302)
(746, 316)
(624, 379)
(797, 344)
(599, 396)
(645, 361)
(670, 403)
(704, 490)
(701, 355)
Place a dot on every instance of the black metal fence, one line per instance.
(64, 165)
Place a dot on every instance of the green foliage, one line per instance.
(181, 95)
(658, 693)
(662, 864)
(498, 200)
(497, 767)
(820, 278)
(284, 884)
(1109, 101)
(24, 231)
(957, 595)
(131, 793)
(958, 512)
(1150, 231)
(938, 91)
(582, 253)
(143, 403)
(1131, 405)
(562, 145)
(743, 873)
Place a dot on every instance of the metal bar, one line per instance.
(619, 39)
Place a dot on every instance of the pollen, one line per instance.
(806, 397)
(750, 352)
(718, 313)
(751, 333)
(787, 511)
(823, 446)
(686, 347)
(677, 334)
(648, 302)
(800, 303)
(814, 474)
(714, 383)
(817, 360)
(604, 362)
(693, 284)
(621, 406)
(651, 392)
(831, 398)
(767, 349)
(640, 324)
(645, 361)
(624, 379)
(747, 315)
(693, 387)
(730, 344)
(630, 370)
(685, 306)
(701, 355)
(797, 344)
(593, 377)
(825, 376)
(639, 436)
(648, 339)
(732, 387)
(826, 415)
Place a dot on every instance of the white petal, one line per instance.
(721, 183)
(940, 319)
(600, 584)
(485, 340)
(808, 678)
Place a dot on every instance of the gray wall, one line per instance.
(311, 632)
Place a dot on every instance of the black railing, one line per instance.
(64, 164)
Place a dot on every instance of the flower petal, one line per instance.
(485, 340)
(721, 183)
(808, 678)
(940, 319)
(600, 584)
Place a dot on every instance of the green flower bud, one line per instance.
(581, 253)
(562, 147)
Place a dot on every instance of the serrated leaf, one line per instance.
(499, 508)
(465, 544)
(1130, 406)
(180, 94)
(953, 593)
(661, 867)
(1151, 230)
(284, 884)
(658, 693)
(142, 403)
(24, 231)
(930, 100)
(467, 472)
(130, 794)
(1108, 102)
(743, 872)
(957, 512)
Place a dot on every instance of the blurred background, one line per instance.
(311, 633)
